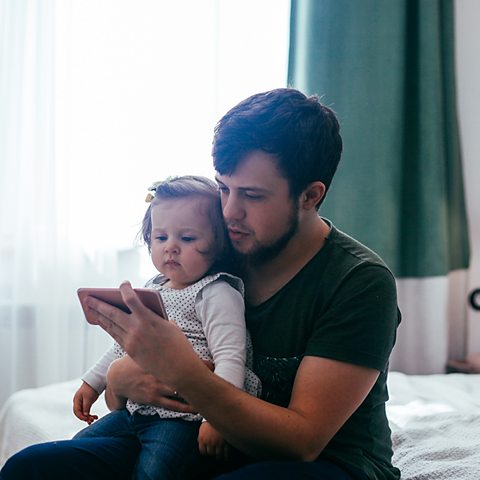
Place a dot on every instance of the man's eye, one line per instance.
(223, 190)
(253, 196)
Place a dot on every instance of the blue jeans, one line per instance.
(281, 470)
(119, 445)
(244, 468)
(123, 447)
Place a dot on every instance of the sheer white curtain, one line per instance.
(99, 98)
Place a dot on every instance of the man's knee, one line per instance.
(27, 463)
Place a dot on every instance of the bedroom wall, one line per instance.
(467, 13)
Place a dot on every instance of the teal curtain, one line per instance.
(387, 69)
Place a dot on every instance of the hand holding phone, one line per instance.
(150, 297)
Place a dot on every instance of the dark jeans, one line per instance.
(122, 447)
(320, 470)
(119, 445)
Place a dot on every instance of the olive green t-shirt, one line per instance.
(342, 305)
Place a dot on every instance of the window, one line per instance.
(99, 99)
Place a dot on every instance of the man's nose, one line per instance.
(232, 208)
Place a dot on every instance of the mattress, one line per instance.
(435, 422)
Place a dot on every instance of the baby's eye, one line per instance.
(161, 238)
(187, 238)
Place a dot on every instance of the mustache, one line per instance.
(238, 227)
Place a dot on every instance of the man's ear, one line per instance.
(312, 195)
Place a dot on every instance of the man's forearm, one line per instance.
(113, 401)
(127, 380)
(120, 376)
(325, 394)
(256, 427)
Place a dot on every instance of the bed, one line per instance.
(435, 422)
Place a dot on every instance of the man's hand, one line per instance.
(211, 442)
(83, 399)
(126, 379)
(155, 344)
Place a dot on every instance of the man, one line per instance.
(321, 309)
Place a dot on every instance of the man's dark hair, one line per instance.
(298, 130)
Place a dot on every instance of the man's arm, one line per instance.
(126, 379)
(325, 393)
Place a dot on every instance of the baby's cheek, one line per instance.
(208, 256)
(205, 249)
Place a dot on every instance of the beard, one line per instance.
(261, 253)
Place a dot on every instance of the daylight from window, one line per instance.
(140, 86)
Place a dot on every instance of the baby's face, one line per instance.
(182, 240)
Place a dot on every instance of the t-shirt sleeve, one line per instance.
(222, 312)
(359, 325)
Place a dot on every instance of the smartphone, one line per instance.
(150, 297)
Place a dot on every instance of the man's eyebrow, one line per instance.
(247, 187)
(253, 188)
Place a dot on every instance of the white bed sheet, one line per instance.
(40, 415)
(435, 421)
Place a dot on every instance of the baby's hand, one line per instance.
(83, 399)
(211, 442)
